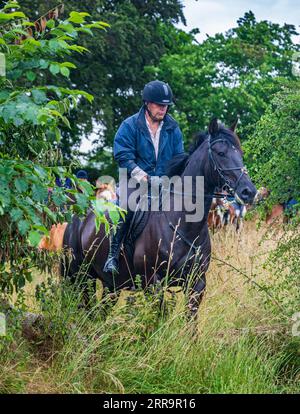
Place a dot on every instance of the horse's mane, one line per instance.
(178, 163)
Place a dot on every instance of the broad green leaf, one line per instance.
(77, 48)
(68, 65)
(65, 71)
(30, 76)
(16, 214)
(82, 201)
(34, 238)
(76, 17)
(40, 171)
(114, 216)
(23, 226)
(43, 63)
(39, 193)
(58, 198)
(17, 14)
(54, 45)
(85, 30)
(54, 68)
(68, 27)
(39, 96)
(50, 24)
(50, 213)
(21, 185)
(11, 5)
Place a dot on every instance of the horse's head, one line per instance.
(226, 162)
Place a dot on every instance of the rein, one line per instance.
(220, 171)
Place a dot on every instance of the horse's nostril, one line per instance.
(247, 194)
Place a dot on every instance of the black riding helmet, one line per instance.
(158, 92)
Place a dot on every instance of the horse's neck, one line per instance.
(196, 167)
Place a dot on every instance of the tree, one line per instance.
(114, 70)
(230, 74)
(273, 150)
(31, 115)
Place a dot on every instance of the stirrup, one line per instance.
(111, 266)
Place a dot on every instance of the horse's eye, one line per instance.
(222, 154)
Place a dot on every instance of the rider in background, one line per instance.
(143, 144)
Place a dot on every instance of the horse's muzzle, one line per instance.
(247, 193)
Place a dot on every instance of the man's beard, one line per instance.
(153, 117)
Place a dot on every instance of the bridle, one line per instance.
(228, 185)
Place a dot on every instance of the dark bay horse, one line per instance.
(170, 244)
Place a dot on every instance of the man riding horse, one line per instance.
(143, 145)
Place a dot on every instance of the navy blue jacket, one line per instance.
(133, 144)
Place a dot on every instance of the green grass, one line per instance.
(242, 343)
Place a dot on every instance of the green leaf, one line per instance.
(104, 24)
(39, 96)
(68, 65)
(4, 95)
(17, 14)
(114, 216)
(68, 27)
(20, 282)
(50, 24)
(28, 24)
(30, 75)
(77, 48)
(58, 198)
(34, 238)
(50, 213)
(11, 5)
(43, 63)
(16, 214)
(82, 201)
(39, 193)
(54, 68)
(85, 30)
(31, 113)
(21, 185)
(65, 71)
(54, 45)
(40, 171)
(23, 226)
(77, 17)
(10, 16)
(42, 229)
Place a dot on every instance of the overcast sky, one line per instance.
(214, 16)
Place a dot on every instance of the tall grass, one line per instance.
(243, 342)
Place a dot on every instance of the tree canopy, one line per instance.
(273, 150)
(32, 112)
(113, 71)
(228, 75)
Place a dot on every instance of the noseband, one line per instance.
(221, 171)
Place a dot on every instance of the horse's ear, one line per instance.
(213, 126)
(234, 125)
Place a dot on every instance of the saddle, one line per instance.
(136, 227)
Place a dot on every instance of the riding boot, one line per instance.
(112, 262)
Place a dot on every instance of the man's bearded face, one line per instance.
(158, 112)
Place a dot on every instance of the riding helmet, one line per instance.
(158, 92)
